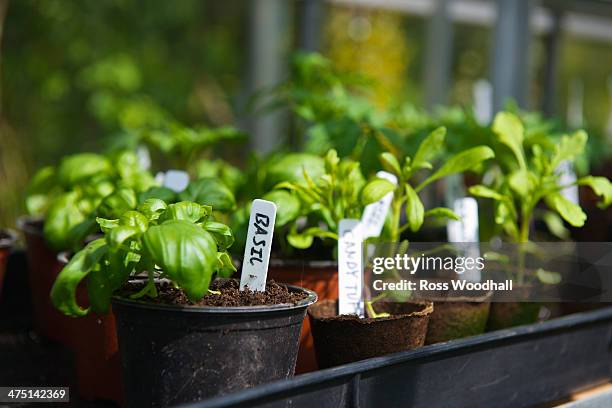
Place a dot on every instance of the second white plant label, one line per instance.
(258, 245)
(350, 267)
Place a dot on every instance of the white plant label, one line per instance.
(176, 180)
(258, 245)
(466, 230)
(350, 267)
(568, 176)
(374, 215)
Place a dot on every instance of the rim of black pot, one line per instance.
(25, 223)
(309, 300)
(8, 237)
(428, 309)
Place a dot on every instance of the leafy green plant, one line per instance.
(313, 206)
(181, 242)
(69, 195)
(406, 194)
(527, 174)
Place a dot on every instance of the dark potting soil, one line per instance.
(230, 295)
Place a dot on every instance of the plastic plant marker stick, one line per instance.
(176, 180)
(568, 176)
(466, 231)
(258, 245)
(350, 268)
(373, 218)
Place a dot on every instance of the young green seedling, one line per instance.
(523, 181)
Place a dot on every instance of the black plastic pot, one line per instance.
(173, 354)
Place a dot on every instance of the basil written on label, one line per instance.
(258, 245)
(350, 267)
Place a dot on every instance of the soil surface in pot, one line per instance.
(229, 295)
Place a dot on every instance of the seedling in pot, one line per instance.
(528, 175)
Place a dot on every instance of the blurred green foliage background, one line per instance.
(76, 72)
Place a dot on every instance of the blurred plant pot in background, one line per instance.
(176, 354)
(510, 314)
(458, 317)
(319, 276)
(7, 243)
(96, 352)
(348, 338)
(43, 268)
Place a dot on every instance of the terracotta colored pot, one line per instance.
(318, 276)
(7, 242)
(96, 352)
(43, 267)
(348, 338)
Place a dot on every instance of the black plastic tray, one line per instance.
(518, 367)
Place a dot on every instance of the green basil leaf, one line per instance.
(466, 160)
(221, 232)
(134, 219)
(548, 277)
(62, 217)
(114, 205)
(152, 208)
(375, 190)
(79, 168)
(186, 211)
(210, 191)
(99, 290)
(39, 193)
(521, 181)
(442, 212)
(225, 267)
(63, 292)
(414, 209)
(554, 223)
(118, 235)
(570, 212)
(185, 252)
(287, 206)
(331, 161)
(511, 133)
(106, 224)
(601, 186)
(431, 147)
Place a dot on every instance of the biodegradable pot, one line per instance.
(7, 242)
(503, 315)
(348, 338)
(177, 354)
(458, 317)
(43, 268)
(96, 352)
(319, 276)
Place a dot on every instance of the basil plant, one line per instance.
(67, 196)
(406, 193)
(181, 242)
(528, 174)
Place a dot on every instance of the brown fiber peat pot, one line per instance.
(458, 317)
(348, 338)
(43, 268)
(319, 276)
(7, 242)
(173, 354)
